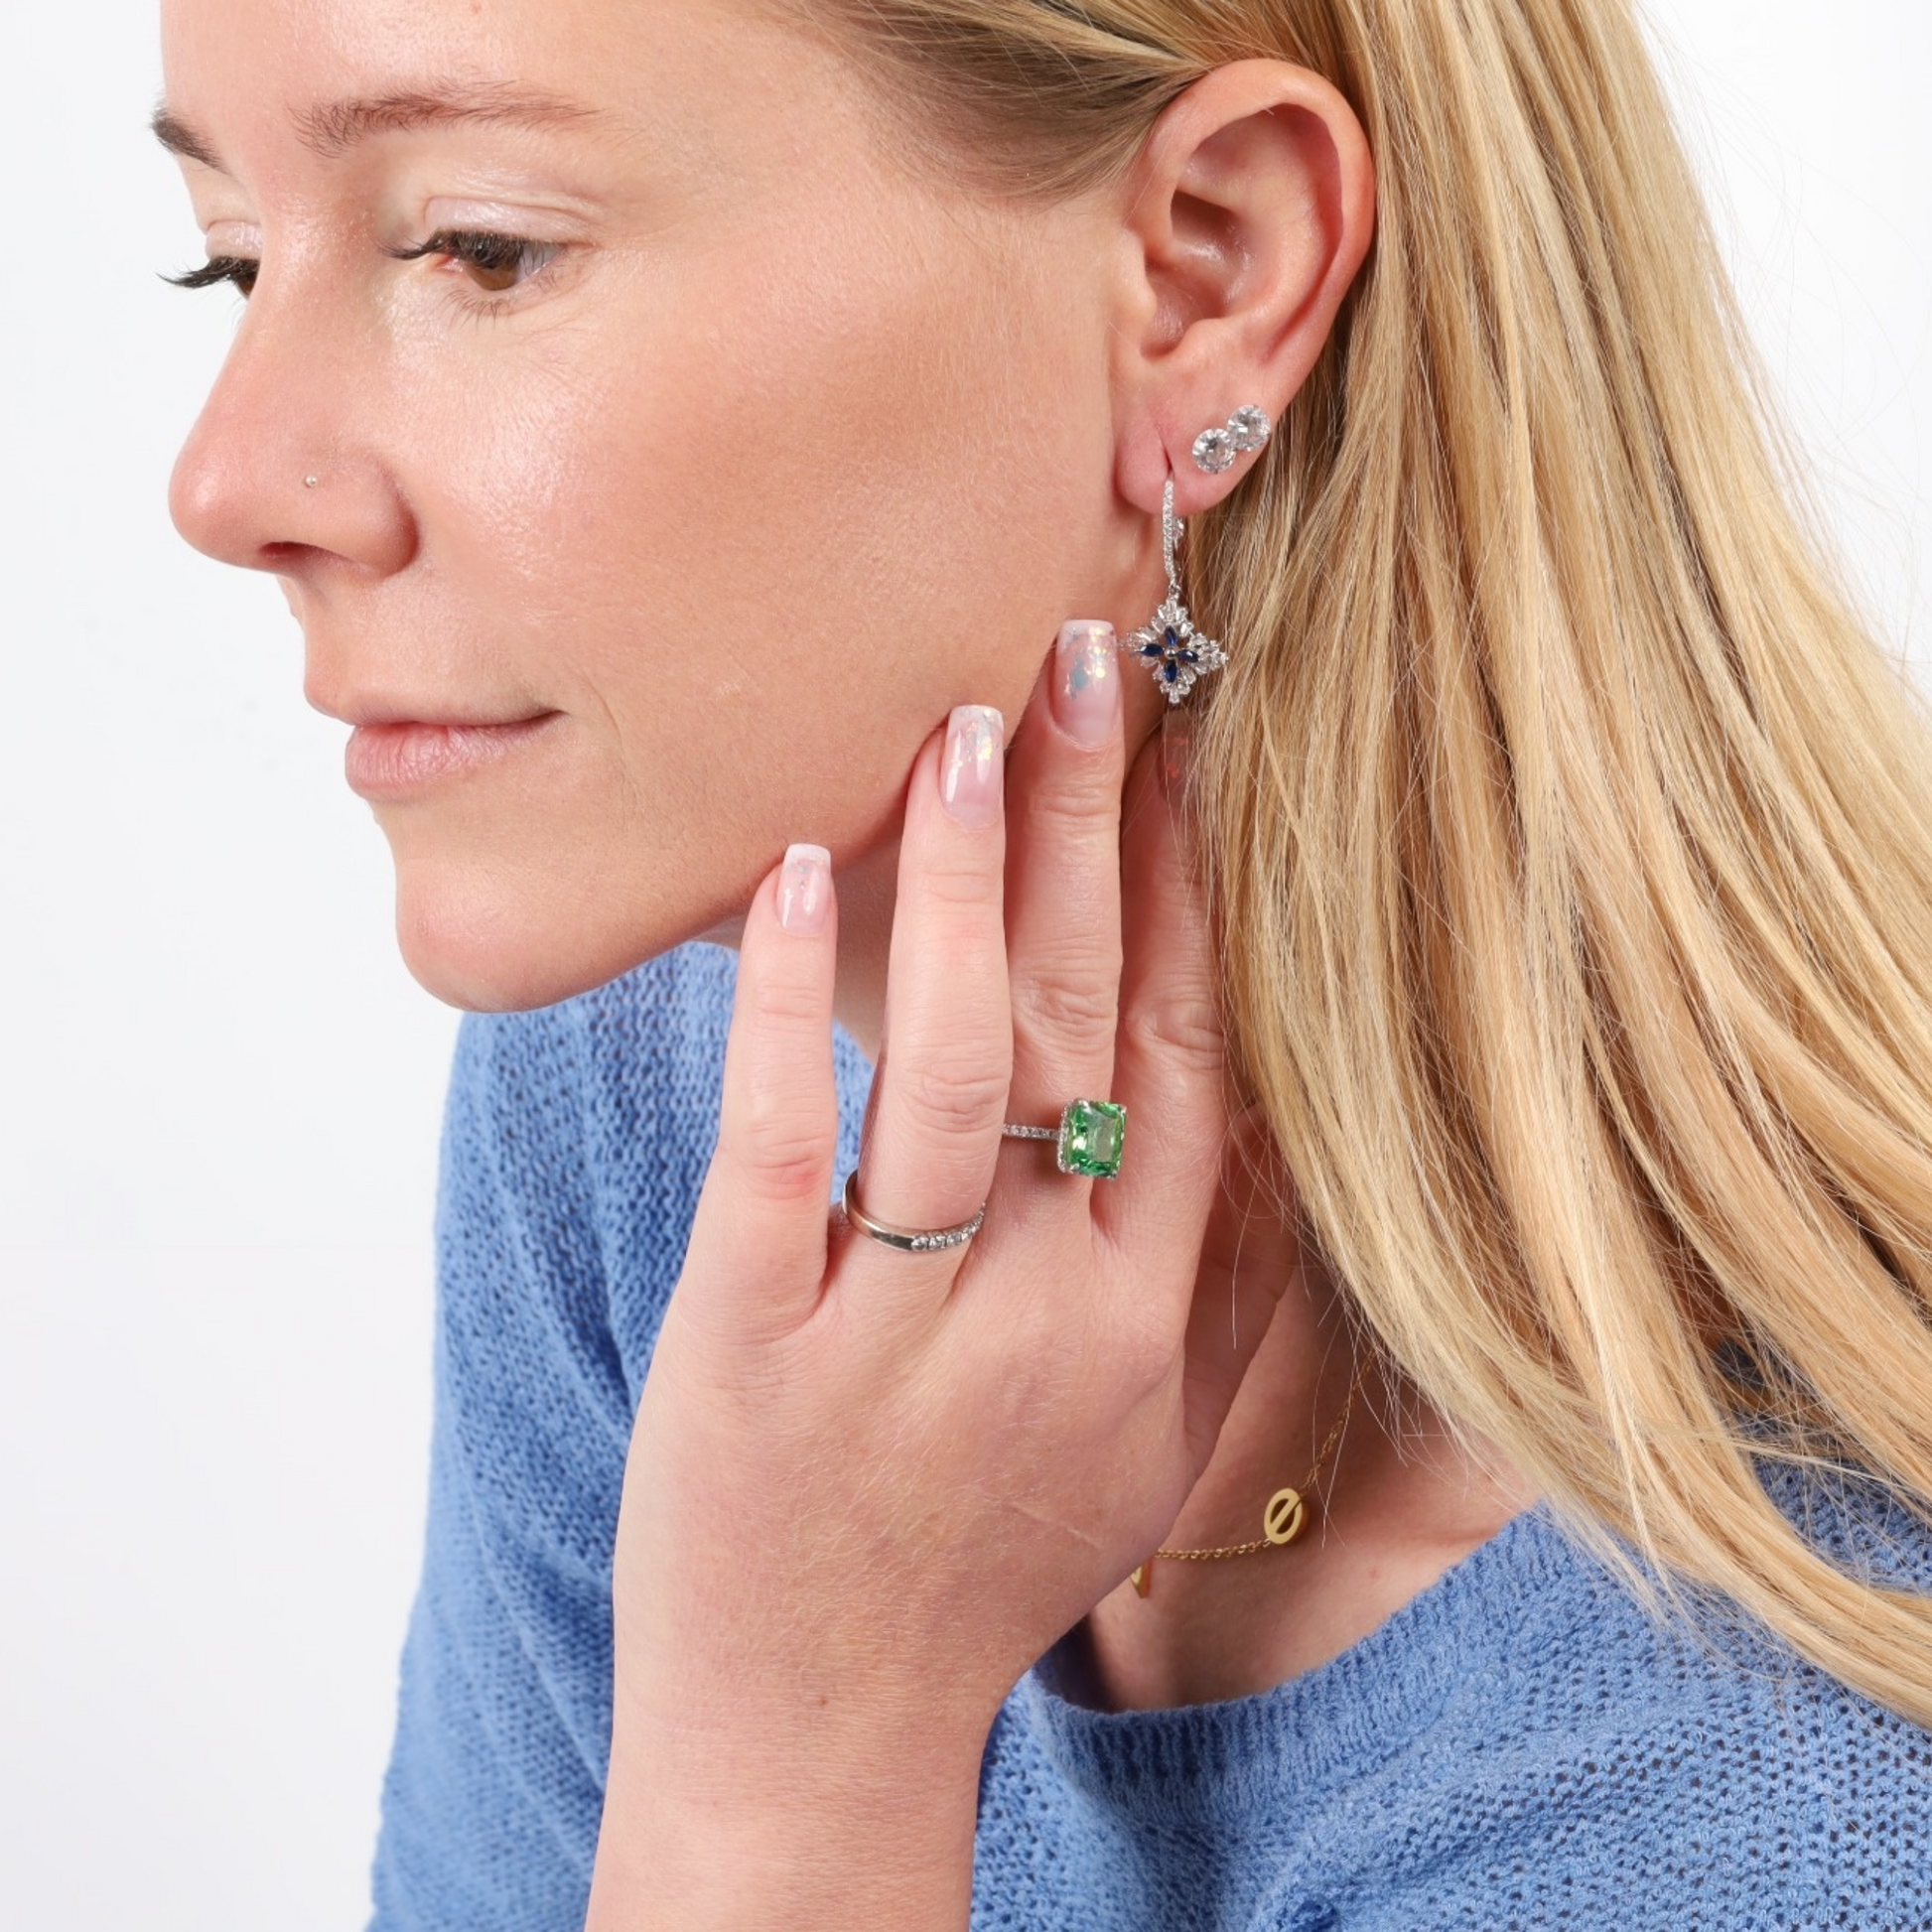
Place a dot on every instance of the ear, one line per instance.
(1247, 213)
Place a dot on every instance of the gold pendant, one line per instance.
(1144, 1576)
(1285, 1516)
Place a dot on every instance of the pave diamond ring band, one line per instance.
(1089, 1139)
(908, 1240)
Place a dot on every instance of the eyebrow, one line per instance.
(332, 127)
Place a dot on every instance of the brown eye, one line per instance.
(496, 263)
(494, 259)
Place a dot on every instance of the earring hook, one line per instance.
(1175, 652)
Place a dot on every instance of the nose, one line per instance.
(290, 404)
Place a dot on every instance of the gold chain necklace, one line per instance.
(1287, 1513)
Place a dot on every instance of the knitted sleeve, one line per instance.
(575, 1140)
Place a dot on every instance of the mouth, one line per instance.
(395, 758)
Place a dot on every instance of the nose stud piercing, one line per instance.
(1168, 643)
(311, 482)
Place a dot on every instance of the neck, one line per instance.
(1396, 1502)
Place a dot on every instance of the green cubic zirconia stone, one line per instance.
(1092, 1134)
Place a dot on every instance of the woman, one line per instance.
(714, 451)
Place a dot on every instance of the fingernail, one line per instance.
(804, 889)
(971, 768)
(1086, 681)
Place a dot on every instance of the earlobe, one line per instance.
(1249, 207)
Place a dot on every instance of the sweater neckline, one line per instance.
(1324, 1725)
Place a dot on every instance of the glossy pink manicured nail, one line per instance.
(972, 766)
(804, 887)
(1086, 679)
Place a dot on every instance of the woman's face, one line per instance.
(758, 456)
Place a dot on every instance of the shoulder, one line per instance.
(555, 1251)
(575, 1137)
(1854, 1521)
(1636, 1767)
(1857, 1773)
(575, 1141)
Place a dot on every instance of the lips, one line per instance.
(378, 713)
(389, 757)
(373, 705)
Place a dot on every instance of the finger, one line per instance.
(754, 1262)
(940, 1092)
(1170, 1054)
(1062, 892)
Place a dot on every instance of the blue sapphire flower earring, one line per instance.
(1169, 644)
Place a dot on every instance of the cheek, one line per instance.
(772, 505)
(757, 530)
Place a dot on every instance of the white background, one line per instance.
(223, 1091)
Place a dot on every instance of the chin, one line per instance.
(482, 946)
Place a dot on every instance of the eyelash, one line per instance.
(474, 247)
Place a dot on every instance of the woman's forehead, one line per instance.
(330, 74)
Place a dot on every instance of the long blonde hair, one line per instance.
(1575, 830)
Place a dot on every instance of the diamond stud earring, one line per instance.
(1247, 429)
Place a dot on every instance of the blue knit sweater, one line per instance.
(1517, 1746)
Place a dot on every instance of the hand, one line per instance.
(868, 1488)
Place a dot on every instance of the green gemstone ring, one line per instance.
(1088, 1139)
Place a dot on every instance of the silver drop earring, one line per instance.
(1168, 643)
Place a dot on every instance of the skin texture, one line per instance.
(784, 453)
(785, 442)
